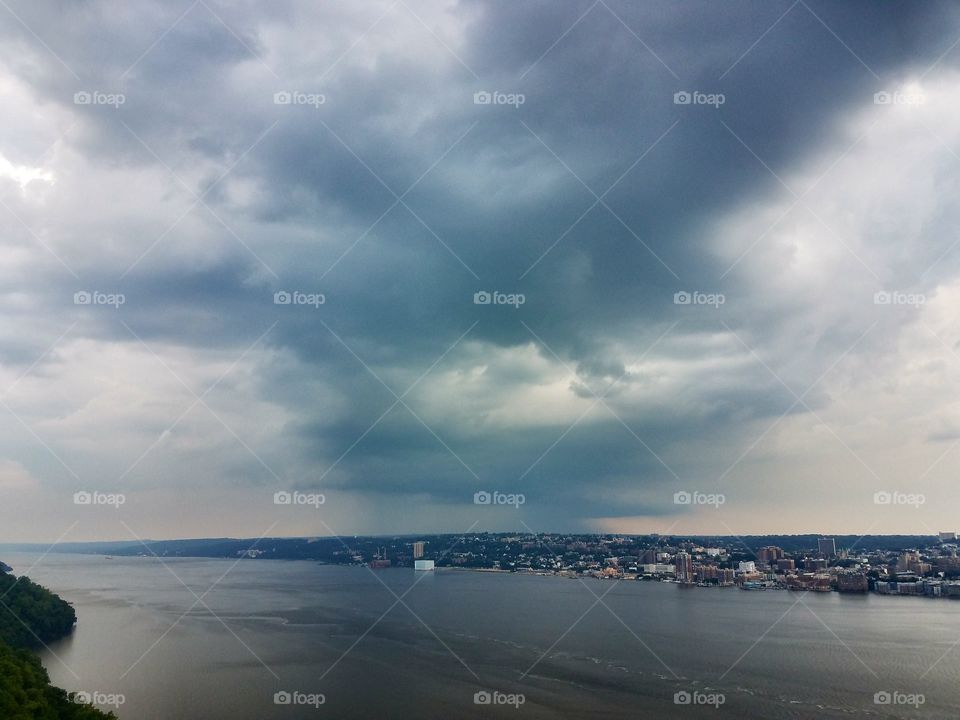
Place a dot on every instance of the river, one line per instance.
(218, 640)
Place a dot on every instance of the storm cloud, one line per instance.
(401, 252)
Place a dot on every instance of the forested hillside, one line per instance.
(31, 616)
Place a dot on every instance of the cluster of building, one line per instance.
(932, 571)
(770, 568)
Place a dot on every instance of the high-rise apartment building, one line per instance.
(684, 567)
(827, 547)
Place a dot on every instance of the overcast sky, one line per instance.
(721, 242)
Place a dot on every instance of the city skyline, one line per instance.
(898, 565)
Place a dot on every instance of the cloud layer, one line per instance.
(750, 293)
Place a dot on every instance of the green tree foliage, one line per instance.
(26, 692)
(31, 616)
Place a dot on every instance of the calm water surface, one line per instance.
(272, 626)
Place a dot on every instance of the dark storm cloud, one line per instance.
(499, 198)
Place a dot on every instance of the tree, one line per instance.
(31, 615)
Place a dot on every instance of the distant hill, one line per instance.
(797, 543)
(345, 550)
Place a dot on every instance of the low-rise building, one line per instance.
(852, 582)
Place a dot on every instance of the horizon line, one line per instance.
(53, 545)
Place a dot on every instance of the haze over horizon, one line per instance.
(53, 545)
(594, 254)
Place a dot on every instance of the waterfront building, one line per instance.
(706, 573)
(852, 582)
(684, 564)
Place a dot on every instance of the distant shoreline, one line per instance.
(526, 573)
